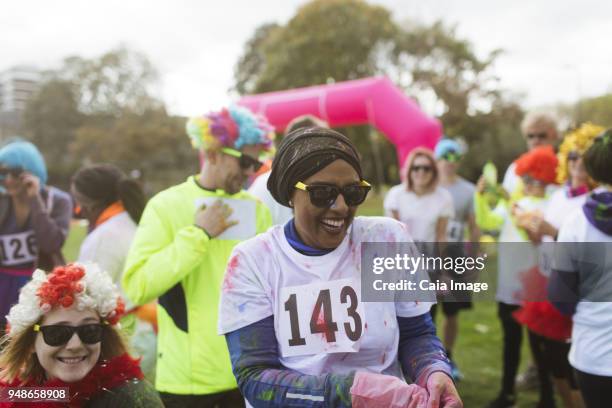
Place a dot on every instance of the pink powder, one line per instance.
(230, 273)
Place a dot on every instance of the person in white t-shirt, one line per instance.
(286, 293)
(448, 153)
(581, 279)
(281, 214)
(549, 331)
(113, 204)
(419, 203)
(538, 129)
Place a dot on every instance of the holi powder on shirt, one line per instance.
(267, 395)
(327, 332)
(230, 273)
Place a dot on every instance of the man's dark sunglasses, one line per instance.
(244, 160)
(324, 196)
(58, 334)
(539, 136)
(426, 169)
(13, 171)
(573, 155)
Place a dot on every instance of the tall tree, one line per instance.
(50, 122)
(104, 109)
(337, 40)
(117, 80)
(152, 144)
(326, 40)
(597, 110)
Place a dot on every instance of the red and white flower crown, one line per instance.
(84, 285)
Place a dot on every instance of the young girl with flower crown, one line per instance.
(63, 334)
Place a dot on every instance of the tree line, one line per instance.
(105, 109)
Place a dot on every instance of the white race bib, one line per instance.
(243, 211)
(18, 248)
(322, 317)
(454, 231)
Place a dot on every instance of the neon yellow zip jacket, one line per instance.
(175, 261)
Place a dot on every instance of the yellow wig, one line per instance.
(578, 140)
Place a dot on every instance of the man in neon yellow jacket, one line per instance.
(181, 249)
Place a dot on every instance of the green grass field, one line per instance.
(478, 349)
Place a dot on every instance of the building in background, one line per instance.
(17, 85)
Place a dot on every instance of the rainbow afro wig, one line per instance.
(539, 164)
(234, 127)
(578, 140)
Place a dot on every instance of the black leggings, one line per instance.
(596, 390)
(226, 399)
(552, 356)
(513, 337)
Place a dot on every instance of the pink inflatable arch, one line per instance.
(375, 101)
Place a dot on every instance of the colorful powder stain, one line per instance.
(342, 393)
(267, 247)
(327, 332)
(266, 395)
(230, 273)
(242, 307)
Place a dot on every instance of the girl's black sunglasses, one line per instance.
(324, 196)
(58, 334)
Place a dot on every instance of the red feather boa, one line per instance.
(105, 375)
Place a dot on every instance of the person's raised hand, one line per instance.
(442, 392)
(30, 184)
(214, 219)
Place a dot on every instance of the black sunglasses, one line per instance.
(573, 155)
(539, 136)
(13, 171)
(245, 161)
(426, 169)
(58, 334)
(324, 196)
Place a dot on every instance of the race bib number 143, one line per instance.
(322, 317)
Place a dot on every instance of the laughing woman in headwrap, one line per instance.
(284, 292)
(34, 220)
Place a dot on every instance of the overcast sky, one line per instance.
(555, 50)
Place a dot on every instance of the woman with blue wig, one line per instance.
(34, 220)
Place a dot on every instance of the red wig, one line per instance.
(539, 164)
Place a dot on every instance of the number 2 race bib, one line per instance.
(16, 249)
(322, 317)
